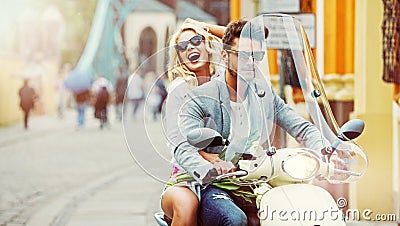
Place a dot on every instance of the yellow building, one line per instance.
(31, 53)
(350, 61)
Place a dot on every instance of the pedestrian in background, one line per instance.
(27, 97)
(81, 99)
(100, 107)
(120, 87)
(153, 101)
(135, 90)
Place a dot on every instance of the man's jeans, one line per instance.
(81, 114)
(218, 208)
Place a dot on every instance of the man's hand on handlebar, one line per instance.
(223, 167)
(339, 163)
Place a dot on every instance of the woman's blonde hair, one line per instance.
(176, 69)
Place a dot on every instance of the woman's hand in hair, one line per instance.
(216, 30)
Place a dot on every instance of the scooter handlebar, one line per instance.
(212, 175)
(238, 173)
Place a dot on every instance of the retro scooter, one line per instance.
(285, 193)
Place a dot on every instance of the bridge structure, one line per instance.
(104, 52)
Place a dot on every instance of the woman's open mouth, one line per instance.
(194, 57)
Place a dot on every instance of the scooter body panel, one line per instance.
(299, 204)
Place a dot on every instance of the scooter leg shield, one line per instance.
(299, 204)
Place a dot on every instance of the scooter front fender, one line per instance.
(299, 204)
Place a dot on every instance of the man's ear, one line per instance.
(224, 56)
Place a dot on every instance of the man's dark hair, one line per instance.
(234, 30)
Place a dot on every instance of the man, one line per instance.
(242, 108)
(135, 92)
(27, 100)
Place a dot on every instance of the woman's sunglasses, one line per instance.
(243, 55)
(195, 41)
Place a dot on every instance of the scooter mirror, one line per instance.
(205, 137)
(351, 129)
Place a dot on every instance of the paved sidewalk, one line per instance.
(39, 125)
(54, 174)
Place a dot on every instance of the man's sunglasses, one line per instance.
(195, 41)
(243, 55)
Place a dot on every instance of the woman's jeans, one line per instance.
(218, 208)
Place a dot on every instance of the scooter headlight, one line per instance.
(301, 166)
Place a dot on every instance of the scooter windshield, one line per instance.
(281, 101)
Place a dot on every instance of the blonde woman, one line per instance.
(194, 56)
